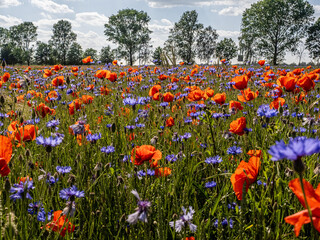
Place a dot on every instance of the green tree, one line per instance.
(62, 39)
(129, 29)
(227, 49)
(91, 52)
(156, 57)
(313, 41)
(206, 43)
(276, 26)
(43, 53)
(184, 35)
(75, 54)
(106, 55)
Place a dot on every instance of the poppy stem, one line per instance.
(305, 199)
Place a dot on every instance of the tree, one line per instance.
(90, 52)
(227, 49)
(313, 41)
(206, 43)
(184, 35)
(276, 26)
(43, 53)
(62, 39)
(156, 57)
(75, 54)
(144, 53)
(129, 29)
(106, 55)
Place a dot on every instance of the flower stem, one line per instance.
(305, 199)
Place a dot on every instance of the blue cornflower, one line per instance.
(126, 158)
(50, 141)
(140, 125)
(234, 150)
(71, 192)
(150, 172)
(36, 208)
(211, 184)
(295, 149)
(63, 170)
(129, 101)
(214, 160)
(53, 123)
(130, 127)
(171, 158)
(108, 149)
(93, 137)
(265, 111)
(141, 212)
(141, 173)
(20, 189)
(184, 221)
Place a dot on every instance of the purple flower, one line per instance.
(63, 170)
(234, 150)
(211, 184)
(20, 189)
(295, 149)
(141, 211)
(71, 192)
(93, 137)
(109, 149)
(184, 221)
(214, 160)
(50, 141)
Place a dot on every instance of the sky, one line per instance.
(89, 16)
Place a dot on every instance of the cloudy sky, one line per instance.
(89, 16)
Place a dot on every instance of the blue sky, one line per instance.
(89, 16)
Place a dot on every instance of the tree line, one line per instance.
(269, 29)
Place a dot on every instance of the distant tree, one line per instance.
(129, 29)
(206, 43)
(248, 36)
(144, 53)
(106, 55)
(184, 35)
(91, 52)
(43, 54)
(75, 54)
(276, 26)
(4, 36)
(62, 39)
(227, 49)
(156, 57)
(8, 54)
(313, 41)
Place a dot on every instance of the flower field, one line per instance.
(186, 152)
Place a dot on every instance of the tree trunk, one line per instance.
(275, 56)
(130, 57)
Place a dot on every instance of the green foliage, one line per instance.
(43, 54)
(157, 56)
(75, 54)
(129, 29)
(184, 34)
(227, 49)
(273, 27)
(206, 43)
(106, 55)
(313, 42)
(91, 52)
(62, 39)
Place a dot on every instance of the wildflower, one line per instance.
(60, 224)
(213, 160)
(171, 158)
(265, 111)
(184, 221)
(313, 199)
(246, 173)
(238, 126)
(295, 149)
(5, 155)
(63, 170)
(211, 184)
(108, 149)
(143, 153)
(71, 193)
(141, 211)
(21, 189)
(49, 142)
(93, 137)
(53, 123)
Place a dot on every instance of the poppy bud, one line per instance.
(298, 166)
(7, 185)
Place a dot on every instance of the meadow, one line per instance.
(150, 152)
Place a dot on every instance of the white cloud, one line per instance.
(231, 11)
(47, 23)
(91, 18)
(317, 9)
(8, 21)
(51, 6)
(228, 34)
(92, 39)
(197, 3)
(9, 3)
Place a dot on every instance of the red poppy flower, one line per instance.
(237, 126)
(60, 224)
(143, 153)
